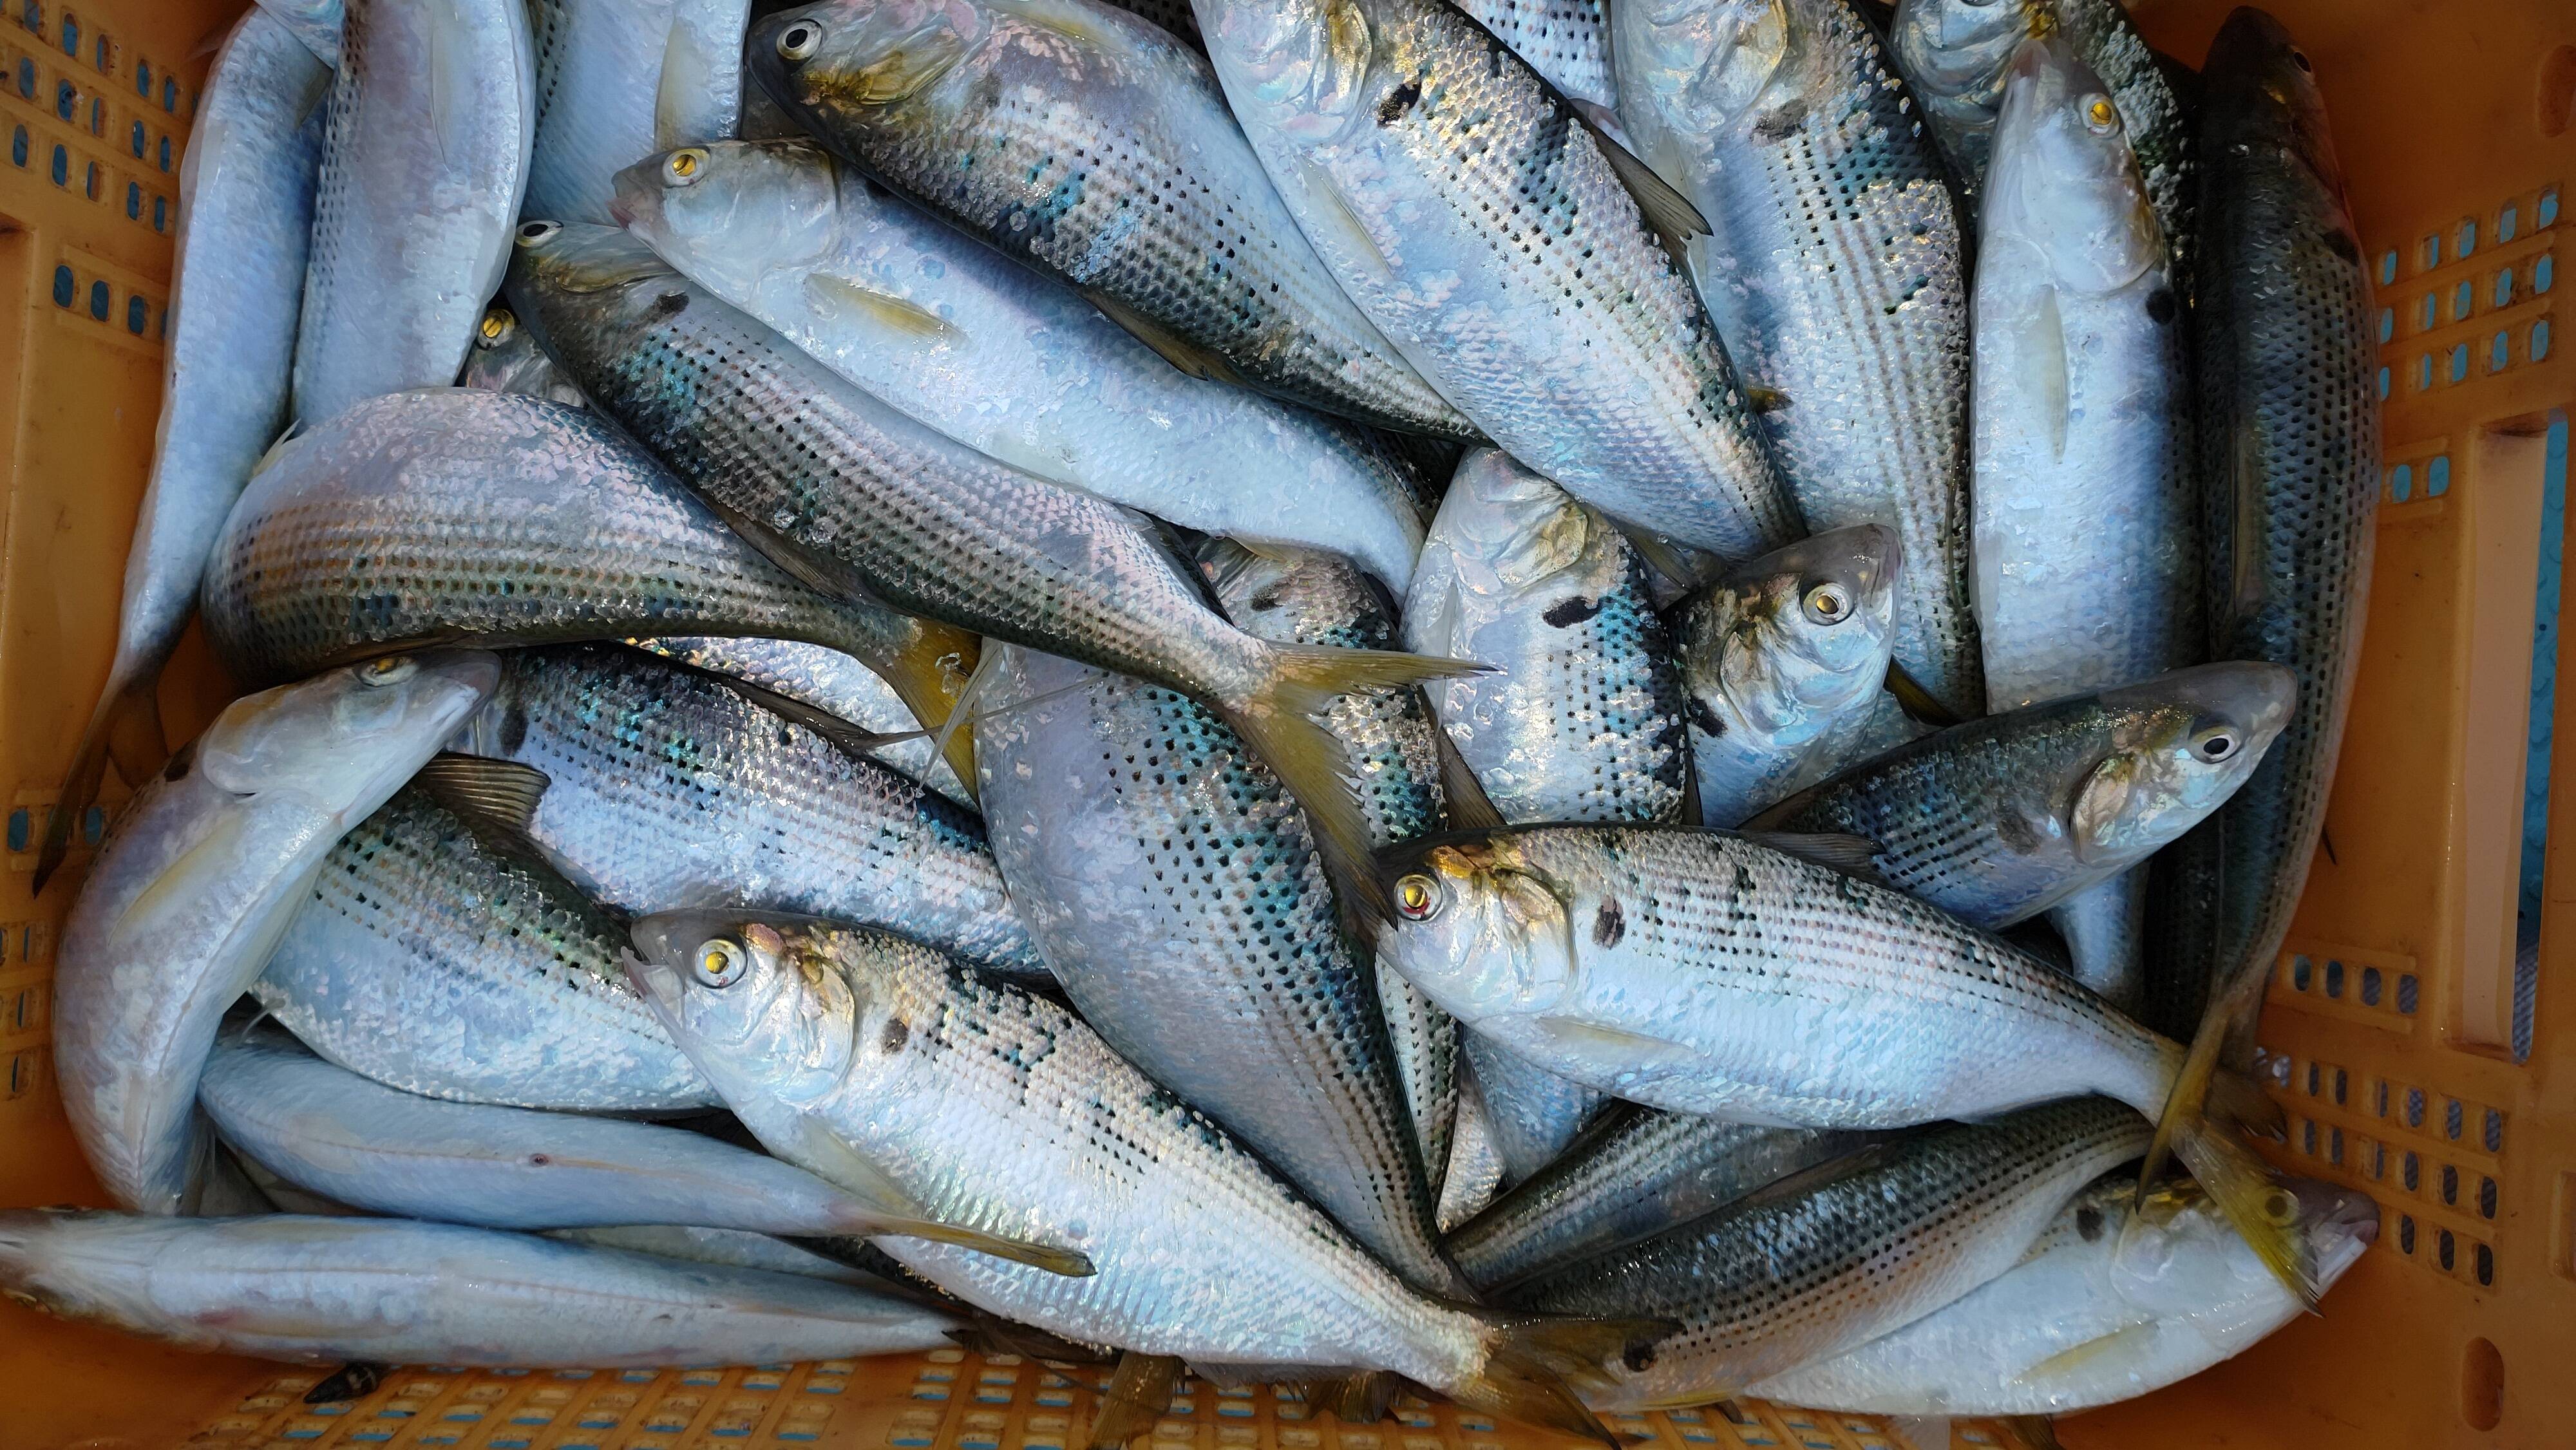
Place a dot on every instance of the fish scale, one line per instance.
(1781, 1279)
(1566, 41)
(1834, 270)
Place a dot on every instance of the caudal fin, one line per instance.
(1532, 1365)
(1278, 725)
(930, 677)
(127, 725)
(2199, 1125)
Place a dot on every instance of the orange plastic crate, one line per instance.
(2392, 1008)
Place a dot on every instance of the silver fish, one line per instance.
(1475, 1171)
(1002, 1110)
(245, 214)
(869, 500)
(1780, 659)
(1699, 972)
(1566, 41)
(1837, 1256)
(431, 959)
(1531, 1113)
(314, 22)
(1096, 147)
(327, 1290)
(198, 878)
(1835, 269)
(423, 163)
(668, 788)
(828, 680)
(2110, 1303)
(506, 359)
(1486, 232)
(333, 1132)
(1634, 1175)
(1583, 719)
(1006, 360)
(702, 84)
(733, 1248)
(618, 80)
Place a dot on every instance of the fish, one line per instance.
(332, 1132)
(440, 959)
(1781, 659)
(868, 500)
(1524, 280)
(1175, 893)
(315, 23)
(1834, 1257)
(1094, 146)
(2109, 1304)
(327, 1290)
(1834, 266)
(1532, 1114)
(197, 879)
(246, 191)
(2000, 819)
(506, 359)
(1566, 41)
(1583, 717)
(456, 515)
(1171, 15)
(1001, 1110)
(828, 680)
(424, 160)
(2289, 436)
(1638, 1172)
(701, 92)
(1475, 1172)
(665, 787)
(619, 80)
(1702, 972)
(1005, 360)
(1955, 56)
(731, 1247)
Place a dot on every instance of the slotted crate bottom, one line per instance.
(947, 1399)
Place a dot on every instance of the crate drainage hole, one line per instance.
(2481, 1385)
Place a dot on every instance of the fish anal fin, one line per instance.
(892, 314)
(1190, 357)
(1139, 1393)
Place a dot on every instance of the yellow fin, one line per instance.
(893, 314)
(1191, 358)
(2076, 1356)
(1139, 1393)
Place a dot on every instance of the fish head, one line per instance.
(2064, 184)
(2181, 744)
(754, 999)
(342, 742)
(2338, 1222)
(2275, 103)
(1961, 48)
(726, 211)
(1474, 927)
(1801, 634)
(1511, 525)
(1298, 68)
(572, 281)
(851, 59)
(1283, 592)
(1702, 65)
(2178, 1254)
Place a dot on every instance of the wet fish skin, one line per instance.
(732, 1248)
(458, 514)
(1833, 238)
(328, 1290)
(832, 1043)
(940, 326)
(2002, 818)
(1584, 717)
(197, 879)
(1636, 1173)
(867, 499)
(2099, 1311)
(1781, 659)
(1532, 1114)
(246, 191)
(426, 959)
(828, 680)
(424, 161)
(669, 788)
(1475, 1171)
(1815, 1267)
(1524, 281)
(1174, 890)
(314, 22)
(1566, 41)
(597, 66)
(506, 359)
(1101, 151)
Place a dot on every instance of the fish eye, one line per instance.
(1828, 604)
(2281, 1207)
(800, 40)
(2100, 116)
(497, 326)
(682, 167)
(720, 962)
(2299, 58)
(2216, 743)
(535, 234)
(1417, 897)
(391, 670)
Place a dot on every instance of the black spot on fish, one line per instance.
(1708, 720)
(1765, 400)
(668, 306)
(986, 94)
(894, 1037)
(1609, 924)
(2342, 245)
(2161, 306)
(538, 1160)
(181, 763)
(2016, 833)
(1399, 101)
(1566, 613)
(2088, 1222)
(1266, 598)
(514, 727)
(1781, 122)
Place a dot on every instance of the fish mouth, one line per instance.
(619, 212)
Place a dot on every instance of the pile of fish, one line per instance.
(1572, 708)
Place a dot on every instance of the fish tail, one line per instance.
(126, 727)
(1139, 1393)
(930, 676)
(1356, 1399)
(1531, 1365)
(1278, 724)
(2202, 1115)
